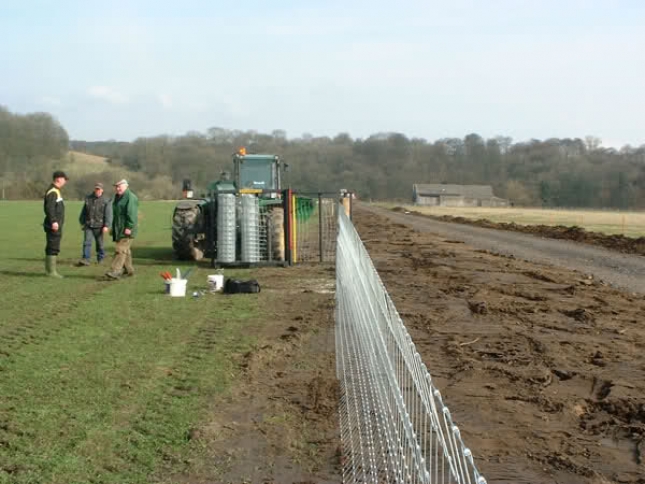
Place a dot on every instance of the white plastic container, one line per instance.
(216, 282)
(178, 287)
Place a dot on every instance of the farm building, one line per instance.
(443, 195)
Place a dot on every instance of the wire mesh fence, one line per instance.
(395, 427)
(316, 228)
(240, 229)
(270, 232)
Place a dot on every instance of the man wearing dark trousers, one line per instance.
(96, 220)
(54, 207)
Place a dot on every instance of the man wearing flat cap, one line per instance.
(125, 211)
(95, 220)
(54, 208)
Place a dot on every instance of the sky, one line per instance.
(431, 69)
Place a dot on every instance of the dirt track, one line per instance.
(543, 369)
(620, 270)
(279, 425)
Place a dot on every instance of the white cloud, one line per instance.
(108, 94)
(165, 100)
(50, 101)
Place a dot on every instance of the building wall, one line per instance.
(459, 201)
(427, 201)
(495, 202)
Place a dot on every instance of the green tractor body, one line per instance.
(255, 174)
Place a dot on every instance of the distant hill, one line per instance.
(85, 169)
(80, 164)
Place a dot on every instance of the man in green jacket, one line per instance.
(125, 213)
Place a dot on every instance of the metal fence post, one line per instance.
(212, 229)
(288, 211)
(320, 228)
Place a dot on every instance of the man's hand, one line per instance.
(105, 230)
(55, 227)
(127, 232)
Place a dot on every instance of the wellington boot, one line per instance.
(50, 267)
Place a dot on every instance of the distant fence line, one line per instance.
(394, 425)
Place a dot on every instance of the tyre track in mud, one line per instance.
(620, 270)
(278, 424)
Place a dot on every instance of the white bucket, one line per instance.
(178, 287)
(216, 282)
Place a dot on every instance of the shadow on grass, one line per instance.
(162, 254)
(43, 275)
(142, 252)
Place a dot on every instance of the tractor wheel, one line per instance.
(277, 232)
(186, 224)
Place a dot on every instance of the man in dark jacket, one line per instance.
(125, 210)
(54, 208)
(96, 220)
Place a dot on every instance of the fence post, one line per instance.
(320, 228)
(212, 228)
(286, 199)
(346, 202)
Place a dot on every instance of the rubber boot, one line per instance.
(50, 267)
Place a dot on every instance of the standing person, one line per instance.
(125, 210)
(54, 207)
(96, 220)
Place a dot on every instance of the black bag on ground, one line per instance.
(233, 286)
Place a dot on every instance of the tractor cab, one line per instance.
(257, 173)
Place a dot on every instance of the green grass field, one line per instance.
(631, 224)
(102, 382)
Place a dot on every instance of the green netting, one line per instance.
(304, 208)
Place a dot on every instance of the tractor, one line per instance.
(194, 225)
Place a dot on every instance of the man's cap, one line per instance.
(98, 185)
(121, 182)
(59, 174)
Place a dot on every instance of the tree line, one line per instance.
(551, 173)
(30, 144)
(33, 145)
(570, 172)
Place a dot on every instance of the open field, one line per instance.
(114, 382)
(631, 224)
(543, 368)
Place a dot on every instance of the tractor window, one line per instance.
(256, 174)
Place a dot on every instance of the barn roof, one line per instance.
(468, 191)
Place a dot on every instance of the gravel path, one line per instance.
(619, 270)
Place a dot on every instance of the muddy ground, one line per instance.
(625, 271)
(617, 242)
(542, 368)
(280, 422)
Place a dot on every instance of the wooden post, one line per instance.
(346, 205)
